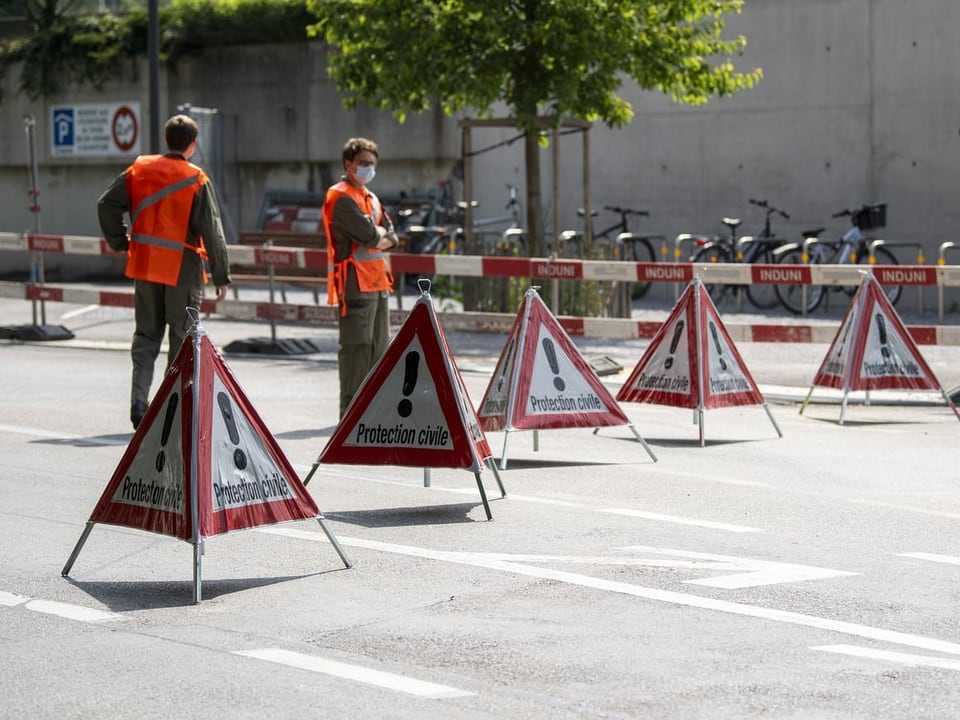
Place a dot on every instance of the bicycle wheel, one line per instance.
(719, 293)
(763, 297)
(883, 256)
(792, 296)
(638, 249)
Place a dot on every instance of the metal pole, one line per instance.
(153, 52)
(36, 258)
(197, 540)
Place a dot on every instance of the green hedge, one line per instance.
(63, 47)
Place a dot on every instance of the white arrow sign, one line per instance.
(747, 572)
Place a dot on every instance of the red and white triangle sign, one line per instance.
(413, 408)
(873, 350)
(541, 380)
(244, 478)
(692, 362)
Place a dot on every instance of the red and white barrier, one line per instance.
(540, 268)
(490, 266)
(465, 321)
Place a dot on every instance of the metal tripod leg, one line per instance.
(310, 474)
(333, 541)
(77, 548)
(483, 496)
(503, 454)
(642, 442)
(950, 403)
(493, 466)
(770, 415)
(197, 554)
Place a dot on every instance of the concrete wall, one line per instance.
(857, 104)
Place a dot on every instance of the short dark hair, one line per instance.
(355, 146)
(179, 132)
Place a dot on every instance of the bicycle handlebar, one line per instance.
(626, 211)
(768, 207)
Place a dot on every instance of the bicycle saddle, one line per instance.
(732, 223)
(816, 232)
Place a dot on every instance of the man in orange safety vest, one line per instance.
(358, 275)
(175, 226)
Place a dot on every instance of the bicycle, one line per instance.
(507, 238)
(853, 247)
(625, 244)
(756, 249)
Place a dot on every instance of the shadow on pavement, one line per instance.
(407, 516)
(132, 595)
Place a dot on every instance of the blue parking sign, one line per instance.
(63, 128)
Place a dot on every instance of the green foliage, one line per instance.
(65, 46)
(546, 60)
(549, 58)
(190, 25)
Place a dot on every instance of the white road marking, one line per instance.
(891, 657)
(681, 520)
(903, 508)
(932, 557)
(79, 311)
(758, 572)
(752, 572)
(665, 596)
(560, 503)
(64, 610)
(72, 612)
(37, 432)
(11, 600)
(357, 673)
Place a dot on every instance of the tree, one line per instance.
(544, 59)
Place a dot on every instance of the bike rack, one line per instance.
(872, 259)
(941, 261)
(807, 243)
(625, 238)
(687, 239)
(744, 240)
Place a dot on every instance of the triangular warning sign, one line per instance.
(244, 478)
(692, 362)
(873, 350)
(541, 380)
(413, 408)
(202, 464)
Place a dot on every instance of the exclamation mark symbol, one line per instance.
(882, 329)
(677, 330)
(506, 366)
(411, 366)
(226, 409)
(167, 427)
(716, 341)
(551, 352)
(843, 340)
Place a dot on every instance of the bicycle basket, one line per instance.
(871, 217)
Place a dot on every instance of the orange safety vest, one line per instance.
(161, 191)
(370, 264)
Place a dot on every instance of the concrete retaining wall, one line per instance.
(856, 105)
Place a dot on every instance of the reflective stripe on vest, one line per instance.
(161, 190)
(370, 265)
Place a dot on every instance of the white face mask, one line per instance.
(365, 173)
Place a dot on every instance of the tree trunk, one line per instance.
(534, 230)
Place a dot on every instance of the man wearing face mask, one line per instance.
(358, 275)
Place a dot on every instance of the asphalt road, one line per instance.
(810, 576)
